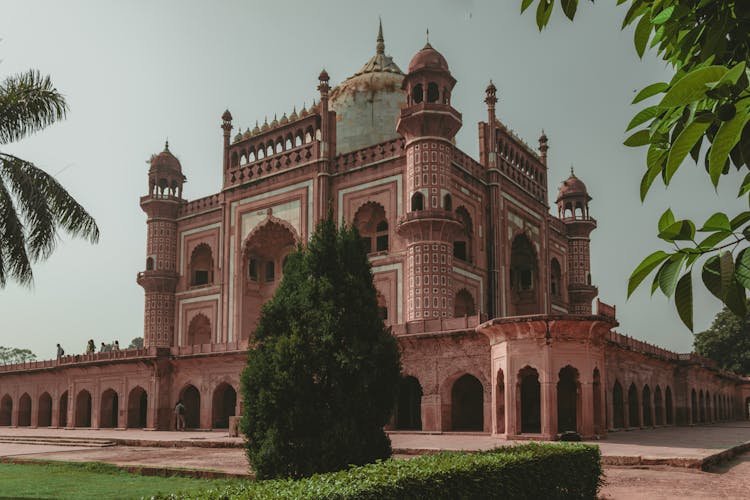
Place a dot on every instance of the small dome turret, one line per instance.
(428, 58)
(165, 176)
(572, 186)
(165, 161)
(573, 198)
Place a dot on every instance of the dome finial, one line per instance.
(166, 145)
(380, 47)
(572, 171)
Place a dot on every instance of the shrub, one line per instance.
(530, 471)
(321, 382)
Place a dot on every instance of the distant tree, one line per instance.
(10, 355)
(706, 102)
(727, 342)
(321, 382)
(136, 343)
(33, 205)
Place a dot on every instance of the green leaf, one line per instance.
(739, 220)
(692, 86)
(569, 7)
(726, 138)
(682, 230)
(717, 222)
(736, 300)
(650, 91)
(669, 272)
(642, 33)
(682, 146)
(640, 138)
(726, 271)
(644, 269)
(742, 268)
(525, 5)
(734, 74)
(663, 16)
(666, 219)
(683, 299)
(648, 179)
(635, 10)
(711, 275)
(643, 116)
(543, 11)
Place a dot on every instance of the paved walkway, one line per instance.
(694, 447)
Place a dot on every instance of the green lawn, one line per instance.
(90, 480)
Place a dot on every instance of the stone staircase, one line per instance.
(86, 442)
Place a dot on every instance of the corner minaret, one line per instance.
(429, 123)
(161, 204)
(573, 209)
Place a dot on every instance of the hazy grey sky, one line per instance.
(137, 72)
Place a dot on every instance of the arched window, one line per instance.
(252, 268)
(417, 93)
(555, 277)
(447, 202)
(523, 277)
(417, 202)
(462, 245)
(201, 266)
(235, 159)
(464, 304)
(433, 92)
(372, 225)
(270, 271)
(150, 264)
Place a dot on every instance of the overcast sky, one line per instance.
(137, 72)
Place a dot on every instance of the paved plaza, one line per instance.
(686, 447)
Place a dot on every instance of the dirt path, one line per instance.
(729, 480)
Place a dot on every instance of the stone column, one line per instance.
(587, 408)
(431, 417)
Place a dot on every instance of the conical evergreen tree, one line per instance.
(321, 382)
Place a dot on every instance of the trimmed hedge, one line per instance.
(529, 471)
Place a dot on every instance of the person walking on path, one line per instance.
(60, 351)
(116, 346)
(103, 348)
(179, 416)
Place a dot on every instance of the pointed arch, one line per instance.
(462, 246)
(24, 410)
(109, 409)
(467, 404)
(409, 404)
(463, 304)
(83, 409)
(568, 400)
(199, 330)
(44, 410)
(224, 403)
(529, 401)
(618, 406)
(633, 406)
(372, 223)
(201, 265)
(6, 410)
(524, 276)
(191, 399)
(137, 408)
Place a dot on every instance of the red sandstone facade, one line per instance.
(489, 294)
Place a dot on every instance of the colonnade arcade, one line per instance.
(113, 409)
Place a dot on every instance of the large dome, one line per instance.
(428, 58)
(368, 103)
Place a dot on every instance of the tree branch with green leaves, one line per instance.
(706, 103)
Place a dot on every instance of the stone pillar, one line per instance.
(587, 408)
(431, 412)
(55, 409)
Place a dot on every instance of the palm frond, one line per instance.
(28, 103)
(14, 262)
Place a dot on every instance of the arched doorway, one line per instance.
(597, 388)
(83, 409)
(633, 407)
(63, 410)
(108, 409)
(524, 277)
(224, 402)
(44, 411)
(467, 404)
(264, 251)
(191, 399)
(409, 404)
(137, 408)
(567, 400)
(668, 409)
(24, 410)
(500, 403)
(530, 403)
(658, 406)
(646, 397)
(6, 410)
(618, 406)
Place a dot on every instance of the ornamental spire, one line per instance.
(380, 47)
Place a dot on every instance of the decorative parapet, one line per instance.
(80, 360)
(193, 350)
(371, 154)
(199, 205)
(520, 164)
(468, 163)
(606, 310)
(636, 345)
(427, 326)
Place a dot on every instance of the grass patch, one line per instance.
(93, 480)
